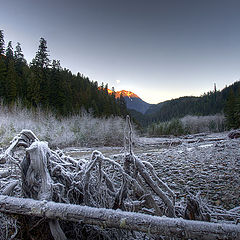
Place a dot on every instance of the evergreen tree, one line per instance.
(33, 89)
(229, 110)
(3, 73)
(122, 106)
(1, 42)
(40, 67)
(55, 92)
(52, 88)
(11, 86)
(237, 111)
(9, 51)
(22, 71)
(41, 59)
(2, 66)
(18, 54)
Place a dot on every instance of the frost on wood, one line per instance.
(174, 227)
(132, 185)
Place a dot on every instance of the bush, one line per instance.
(78, 130)
(188, 125)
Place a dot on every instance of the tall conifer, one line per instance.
(3, 73)
(18, 54)
(41, 59)
(1, 42)
(9, 51)
(11, 85)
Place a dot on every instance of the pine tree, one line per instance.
(9, 54)
(40, 68)
(229, 110)
(3, 73)
(55, 91)
(41, 59)
(11, 86)
(1, 42)
(22, 71)
(9, 51)
(33, 89)
(18, 54)
(52, 88)
(2, 66)
(237, 112)
(122, 105)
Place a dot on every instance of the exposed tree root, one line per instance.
(101, 182)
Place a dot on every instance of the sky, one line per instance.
(158, 49)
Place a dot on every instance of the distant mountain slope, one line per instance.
(175, 108)
(132, 100)
(210, 103)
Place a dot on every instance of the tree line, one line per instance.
(188, 125)
(232, 107)
(226, 101)
(45, 83)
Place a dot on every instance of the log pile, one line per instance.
(95, 198)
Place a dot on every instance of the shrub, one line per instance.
(78, 130)
(188, 125)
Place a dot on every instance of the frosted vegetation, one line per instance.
(185, 179)
(189, 125)
(78, 130)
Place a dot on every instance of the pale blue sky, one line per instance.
(159, 49)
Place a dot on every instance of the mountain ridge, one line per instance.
(209, 103)
(133, 101)
(124, 93)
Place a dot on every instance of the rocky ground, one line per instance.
(209, 163)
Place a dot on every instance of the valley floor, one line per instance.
(205, 164)
(208, 164)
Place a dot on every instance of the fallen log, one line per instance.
(108, 218)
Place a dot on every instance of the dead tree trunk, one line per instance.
(108, 218)
(37, 182)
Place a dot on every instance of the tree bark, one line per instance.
(142, 170)
(172, 227)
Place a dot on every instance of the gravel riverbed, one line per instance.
(209, 164)
(205, 163)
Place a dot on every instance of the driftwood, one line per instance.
(139, 171)
(108, 218)
(9, 188)
(100, 182)
(205, 140)
(36, 180)
(5, 173)
(193, 210)
(63, 185)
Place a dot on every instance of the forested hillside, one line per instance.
(45, 83)
(226, 101)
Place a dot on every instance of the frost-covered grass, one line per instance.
(78, 130)
(188, 125)
(197, 124)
